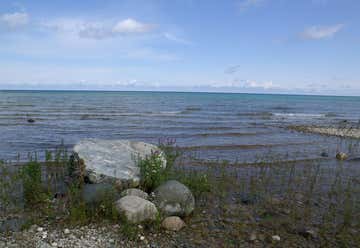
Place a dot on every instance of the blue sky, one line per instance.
(276, 46)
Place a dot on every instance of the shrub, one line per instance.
(152, 171)
(34, 193)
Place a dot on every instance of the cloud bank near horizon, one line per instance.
(130, 46)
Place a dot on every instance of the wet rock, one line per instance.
(135, 192)
(114, 159)
(174, 199)
(324, 155)
(136, 209)
(341, 156)
(173, 223)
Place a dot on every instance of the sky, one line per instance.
(252, 46)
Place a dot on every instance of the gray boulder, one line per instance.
(111, 160)
(136, 209)
(135, 192)
(174, 199)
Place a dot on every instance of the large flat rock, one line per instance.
(114, 159)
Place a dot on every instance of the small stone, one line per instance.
(173, 223)
(276, 238)
(111, 241)
(142, 238)
(66, 231)
(54, 244)
(252, 237)
(40, 229)
(307, 233)
(44, 235)
(31, 120)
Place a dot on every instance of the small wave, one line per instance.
(298, 115)
(331, 114)
(261, 114)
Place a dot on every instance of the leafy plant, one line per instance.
(34, 193)
(152, 171)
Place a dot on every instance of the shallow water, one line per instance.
(235, 127)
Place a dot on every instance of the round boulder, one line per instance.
(136, 209)
(174, 199)
(173, 223)
(135, 192)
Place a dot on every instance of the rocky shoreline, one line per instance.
(339, 131)
(271, 205)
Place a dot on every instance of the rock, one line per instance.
(136, 209)
(276, 238)
(54, 244)
(66, 231)
(31, 120)
(252, 237)
(174, 199)
(249, 198)
(173, 223)
(324, 154)
(135, 192)
(307, 233)
(42, 244)
(114, 159)
(341, 156)
(40, 229)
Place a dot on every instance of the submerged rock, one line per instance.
(135, 192)
(174, 198)
(341, 156)
(114, 159)
(173, 223)
(136, 209)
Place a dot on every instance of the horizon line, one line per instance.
(174, 91)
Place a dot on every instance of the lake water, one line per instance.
(211, 126)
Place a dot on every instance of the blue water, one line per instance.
(236, 127)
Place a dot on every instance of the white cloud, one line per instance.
(99, 30)
(321, 32)
(264, 85)
(232, 69)
(94, 31)
(14, 20)
(245, 4)
(246, 84)
(131, 26)
(172, 37)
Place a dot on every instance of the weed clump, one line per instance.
(152, 171)
(34, 192)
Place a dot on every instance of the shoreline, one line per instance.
(343, 132)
